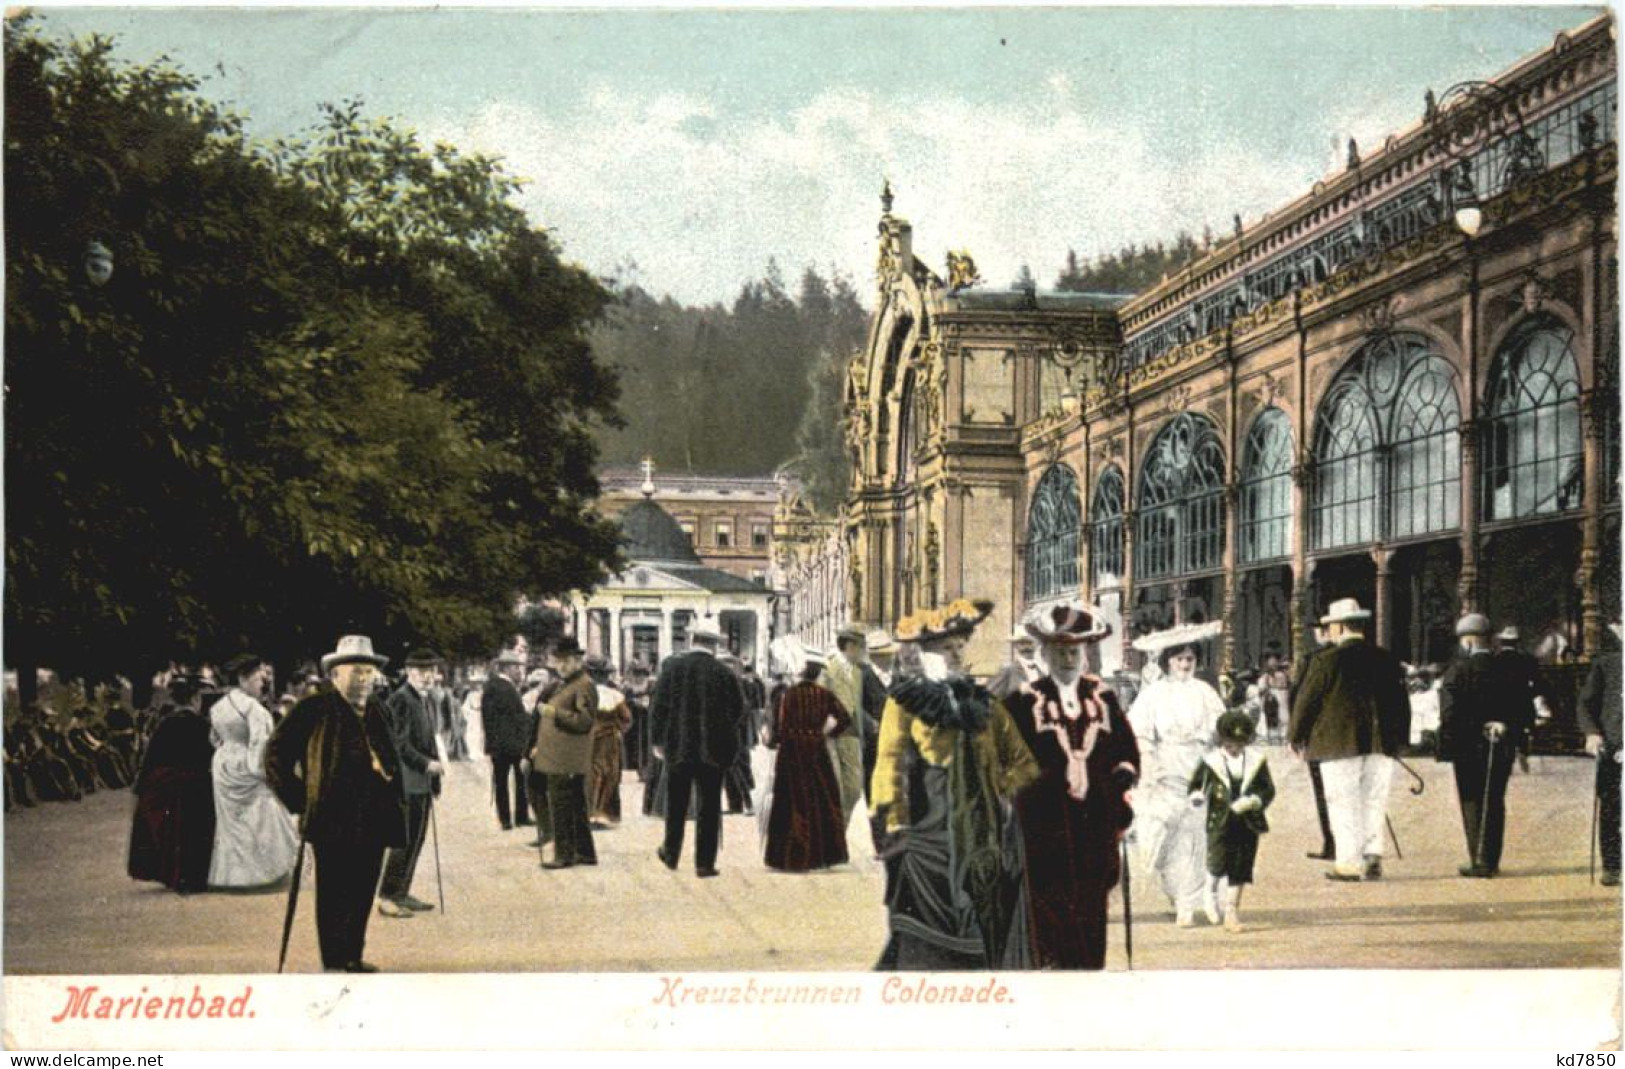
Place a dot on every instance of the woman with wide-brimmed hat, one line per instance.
(1074, 816)
(954, 892)
(1175, 719)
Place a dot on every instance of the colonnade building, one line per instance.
(1400, 387)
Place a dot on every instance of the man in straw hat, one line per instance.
(1485, 706)
(694, 728)
(412, 727)
(1352, 714)
(1072, 818)
(843, 677)
(506, 725)
(1023, 668)
(333, 762)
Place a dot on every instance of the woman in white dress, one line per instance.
(255, 842)
(1174, 720)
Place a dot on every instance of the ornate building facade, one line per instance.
(1401, 387)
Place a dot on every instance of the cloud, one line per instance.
(701, 199)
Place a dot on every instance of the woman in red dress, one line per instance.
(1073, 818)
(804, 827)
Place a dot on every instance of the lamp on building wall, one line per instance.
(1469, 216)
(1069, 355)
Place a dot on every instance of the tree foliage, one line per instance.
(732, 390)
(1130, 269)
(335, 383)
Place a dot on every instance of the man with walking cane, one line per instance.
(1600, 721)
(411, 722)
(1483, 715)
(332, 761)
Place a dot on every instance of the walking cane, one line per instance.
(1484, 803)
(1596, 811)
(434, 834)
(293, 904)
(1128, 910)
(1392, 835)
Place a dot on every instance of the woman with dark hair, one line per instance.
(955, 895)
(1175, 719)
(804, 826)
(255, 842)
(172, 837)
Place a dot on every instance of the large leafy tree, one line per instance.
(334, 383)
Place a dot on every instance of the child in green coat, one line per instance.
(1234, 780)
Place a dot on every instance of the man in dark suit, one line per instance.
(1328, 842)
(412, 722)
(694, 727)
(1485, 707)
(1352, 714)
(506, 726)
(1600, 721)
(332, 761)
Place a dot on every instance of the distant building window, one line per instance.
(688, 528)
(758, 536)
(725, 535)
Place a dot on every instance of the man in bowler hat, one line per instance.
(412, 723)
(332, 760)
(1485, 707)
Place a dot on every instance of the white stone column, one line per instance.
(665, 633)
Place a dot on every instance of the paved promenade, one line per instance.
(70, 908)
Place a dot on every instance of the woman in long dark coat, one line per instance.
(804, 827)
(172, 837)
(1072, 818)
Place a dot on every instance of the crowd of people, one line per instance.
(1004, 813)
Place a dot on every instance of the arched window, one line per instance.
(1266, 488)
(1106, 530)
(1425, 481)
(1052, 534)
(1387, 450)
(1533, 453)
(908, 437)
(1181, 515)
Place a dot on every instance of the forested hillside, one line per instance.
(730, 389)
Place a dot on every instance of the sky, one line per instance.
(698, 143)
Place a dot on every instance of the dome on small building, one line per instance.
(651, 535)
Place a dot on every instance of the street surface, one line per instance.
(70, 908)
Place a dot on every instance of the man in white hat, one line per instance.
(506, 725)
(1023, 668)
(332, 760)
(694, 728)
(1485, 707)
(1352, 714)
(843, 677)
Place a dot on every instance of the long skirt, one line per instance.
(804, 829)
(172, 835)
(604, 791)
(1171, 837)
(934, 922)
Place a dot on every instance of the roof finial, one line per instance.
(648, 486)
(885, 196)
